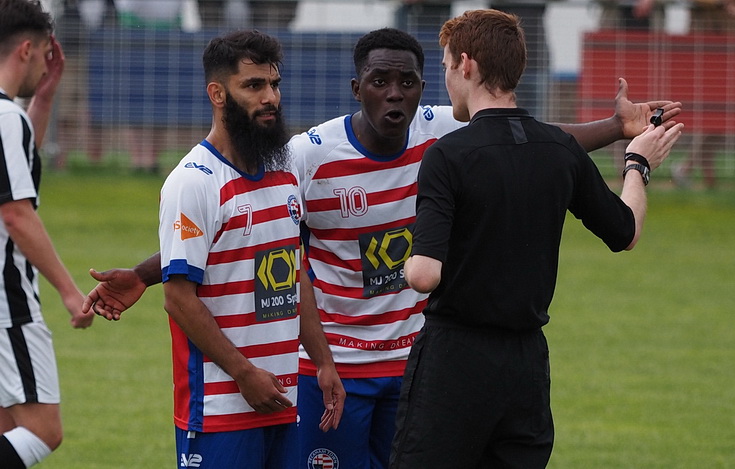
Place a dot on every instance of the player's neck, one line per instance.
(374, 143)
(8, 86)
(224, 146)
(484, 99)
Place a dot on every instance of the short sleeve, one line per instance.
(434, 206)
(187, 224)
(16, 142)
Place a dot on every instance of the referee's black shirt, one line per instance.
(492, 199)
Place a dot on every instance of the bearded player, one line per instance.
(229, 237)
(358, 182)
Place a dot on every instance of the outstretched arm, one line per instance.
(654, 144)
(629, 120)
(119, 289)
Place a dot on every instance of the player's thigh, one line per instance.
(281, 445)
(29, 390)
(345, 447)
(29, 366)
(384, 422)
(349, 445)
(272, 447)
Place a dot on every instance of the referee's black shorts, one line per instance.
(474, 398)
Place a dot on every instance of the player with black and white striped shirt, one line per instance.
(31, 62)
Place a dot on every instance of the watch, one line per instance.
(630, 156)
(645, 172)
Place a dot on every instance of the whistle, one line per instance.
(656, 118)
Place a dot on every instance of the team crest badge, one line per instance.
(322, 458)
(294, 209)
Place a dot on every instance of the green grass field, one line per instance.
(642, 343)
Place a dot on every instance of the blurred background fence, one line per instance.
(134, 95)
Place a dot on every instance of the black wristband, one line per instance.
(638, 159)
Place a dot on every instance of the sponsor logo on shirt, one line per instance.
(383, 254)
(188, 228)
(428, 113)
(314, 137)
(395, 344)
(275, 287)
(200, 167)
(322, 458)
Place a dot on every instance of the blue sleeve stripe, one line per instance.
(181, 267)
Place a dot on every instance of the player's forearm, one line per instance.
(315, 343)
(197, 322)
(595, 135)
(149, 270)
(30, 236)
(39, 110)
(312, 334)
(634, 196)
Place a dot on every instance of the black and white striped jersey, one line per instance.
(20, 175)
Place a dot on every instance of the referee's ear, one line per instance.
(216, 93)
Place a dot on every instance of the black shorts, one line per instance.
(474, 398)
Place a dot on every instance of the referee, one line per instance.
(492, 200)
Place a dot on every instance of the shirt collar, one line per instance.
(500, 112)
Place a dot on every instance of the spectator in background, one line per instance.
(145, 142)
(74, 130)
(533, 89)
(422, 16)
(262, 15)
(710, 17)
(224, 14)
(211, 13)
(162, 14)
(632, 15)
(272, 14)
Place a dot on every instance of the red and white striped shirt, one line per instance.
(237, 236)
(359, 209)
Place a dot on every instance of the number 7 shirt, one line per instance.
(237, 236)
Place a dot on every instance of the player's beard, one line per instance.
(255, 143)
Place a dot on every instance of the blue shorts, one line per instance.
(365, 432)
(273, 447)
